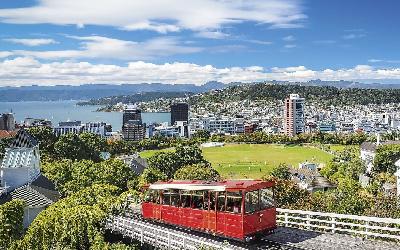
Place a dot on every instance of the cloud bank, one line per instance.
(27, 70)
(158, 15)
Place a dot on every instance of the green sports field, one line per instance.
(256, 160)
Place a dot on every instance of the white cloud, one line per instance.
(383, 61)
(158, 15)
(289, 38)
(27, 70)
(30, 42)
(146, 25)
(5, 54)
(324, 42)
(212, 34)
(353, 36)
(110, 48)
(290, 46)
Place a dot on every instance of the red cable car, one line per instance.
(238, 209)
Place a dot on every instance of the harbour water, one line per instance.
(57, 111)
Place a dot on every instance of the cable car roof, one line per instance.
(214, 186)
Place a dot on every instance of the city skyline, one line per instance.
(54, 42)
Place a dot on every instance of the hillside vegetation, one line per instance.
(323, 95)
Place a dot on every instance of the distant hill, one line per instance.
(97, 91)
(326, 95)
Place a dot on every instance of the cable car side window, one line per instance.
(252, 202)
(198, 199)
(166, 197)
(221, 201)
(185, 198)
(212, 200)
(175, 198)
(267, 198)
(234, 202)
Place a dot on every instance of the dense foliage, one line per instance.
(197, 172)
(72, 176)
(138, 97)
(151, 175)
(345, 164)
(11, 222)
(75, 222)
(386, 157)
(4, 143)
(323, 95)
(169, 162)
(324, 138)
(79, 147)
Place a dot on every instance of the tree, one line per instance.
(79, 147)
(4, 143)
(45, 137)
(11, 222)
(75, 222)
(386, 157)
(72, 176)
(151, 175)
(170, 162)
(281, 172)
(201, 135)
(197, 172)
(287, 193)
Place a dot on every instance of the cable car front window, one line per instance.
(234, 202)
(150, 196)
(198, 199)
(267, 198)
(252, 202)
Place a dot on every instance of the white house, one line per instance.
(20, 177)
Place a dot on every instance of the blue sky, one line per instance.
(122, 41)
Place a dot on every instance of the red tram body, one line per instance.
(238, 209)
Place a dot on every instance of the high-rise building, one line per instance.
(7, 122)
(179, 112)
(132, 127)
(133, 130)
(294, 122)
(132, 113)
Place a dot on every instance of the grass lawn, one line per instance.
(235, 161)
(254, 161)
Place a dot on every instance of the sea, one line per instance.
(57, 111)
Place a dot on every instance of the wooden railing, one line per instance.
(386, 228)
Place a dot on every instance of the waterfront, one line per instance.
(57, 111)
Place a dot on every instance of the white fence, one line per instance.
(387, 228)
(162, 237)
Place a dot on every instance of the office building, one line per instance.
(179, 112)
(7, 122)
(131, 113)
(294, 122)
(132, 127)
(133, 130)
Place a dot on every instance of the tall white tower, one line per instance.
(294, 121)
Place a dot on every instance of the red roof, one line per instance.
(7, 134)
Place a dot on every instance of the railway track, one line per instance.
(132, 225)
